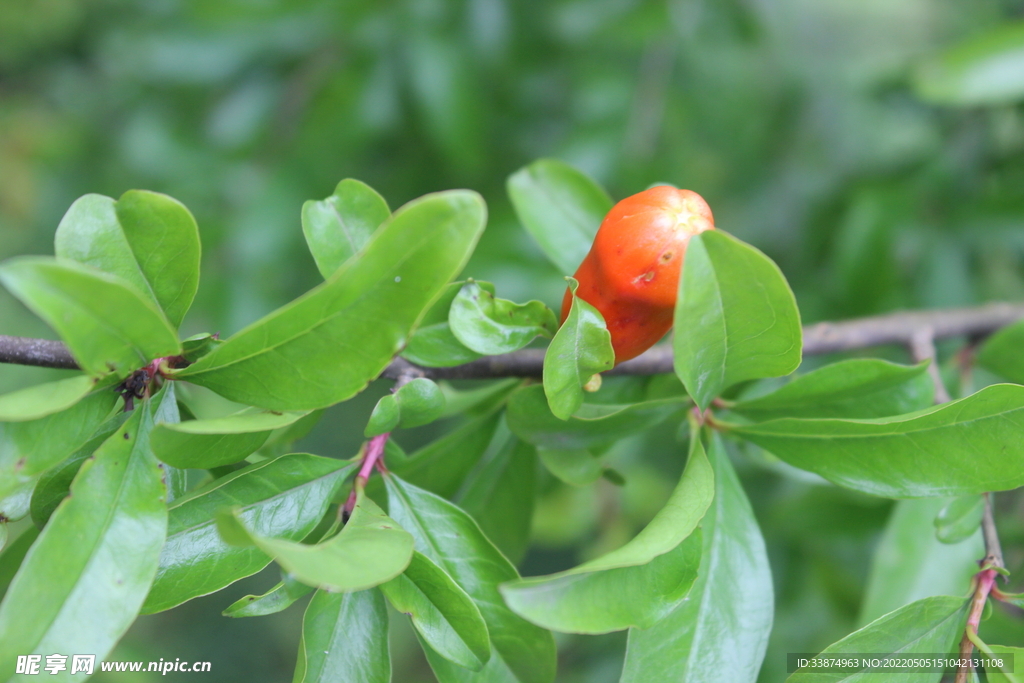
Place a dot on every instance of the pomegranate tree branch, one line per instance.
(826, 337)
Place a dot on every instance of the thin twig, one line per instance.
(826, 337)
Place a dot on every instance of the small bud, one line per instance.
(593, 384)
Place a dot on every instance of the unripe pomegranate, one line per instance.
(631, 274)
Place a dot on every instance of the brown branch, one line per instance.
(827, 337)
(40, 352)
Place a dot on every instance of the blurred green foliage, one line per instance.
(880, 165)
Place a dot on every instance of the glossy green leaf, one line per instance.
(198, 345)
(442, 613)
(635, 585)
(384, 418)
(329, 652)
(857, 388)
(147, 239)
(491, 326)
(593, 424)
(16, 503)
(1014, 669)
(363, 313)
(496, 670)
(44, 399)
(415, 404)
(29, 448)
(986, 69)
(736, 317)
(82, 584)
(1001, 353)
(370, 549)
(560, 207)
(13, 554)
(107, 325)
(581, 348)
(432, 344)
(279, 598)
(1016, 599)
(220, 441)
(339, 226)
(283, 498)
(450, 537)
(55, 483)
(971, 445)
(930, 625)
(910, 563)
(442, 465)
(500, 496)
(577, 467)
(720, 631)
(960, 518)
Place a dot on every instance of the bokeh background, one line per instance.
(859, 143)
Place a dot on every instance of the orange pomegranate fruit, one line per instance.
(631, 274)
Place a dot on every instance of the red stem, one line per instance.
(986, 580)
(372, 457)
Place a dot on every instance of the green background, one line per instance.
(802, 122)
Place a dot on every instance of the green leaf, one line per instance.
(55, 483)
(577, 467)
(339, 226)
(363, 313)
(108, 327)
(1016, 599)
(285, 498)
(960, 518)
(277, 599)
(971, 445)
(491, 326)
(203, 444)
(44, 399)
(735, 319)
(442, 613)
(442, 465)
(13, 554)
(82, 584)
(1001, 353)
(432, 344)
(857, 388)
(496, 670)
(16, 504)
(720, 631)
(29, 448)
(500, 496)
(635, 585)
(149, 240)
(581, 348)
(370, 549)
(415, 404)
(927, 626)
(329, 653)
(593, 424)
(910, 563)
(450, 537)
(1013, 672)
(985, 70)
(198, 345)
(561, 207)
